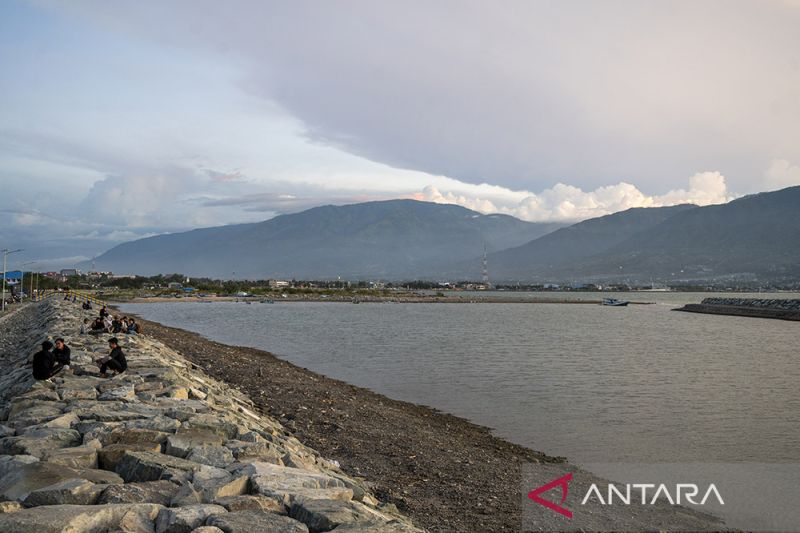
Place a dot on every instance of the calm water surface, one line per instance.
(593, 383)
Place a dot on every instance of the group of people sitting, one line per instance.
(105, 323)
(51, 360)
(48, 361)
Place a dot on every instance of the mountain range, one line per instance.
(756, 236)
(395, 239)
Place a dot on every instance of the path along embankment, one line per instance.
(160, 448)
(782, 309)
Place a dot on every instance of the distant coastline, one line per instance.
(371, 299)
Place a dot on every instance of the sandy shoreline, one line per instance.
(444, 472)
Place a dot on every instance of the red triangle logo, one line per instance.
(562, 482)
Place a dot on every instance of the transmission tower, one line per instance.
(485, 270)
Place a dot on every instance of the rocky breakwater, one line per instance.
(784, 309)
(160, 448)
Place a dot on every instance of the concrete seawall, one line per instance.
(160, 448)
(782, 309)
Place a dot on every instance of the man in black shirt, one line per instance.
(61, 352)
(44, 362)
(115, 360)
(98, 326)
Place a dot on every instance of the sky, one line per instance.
(120, 120)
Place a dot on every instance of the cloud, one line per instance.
(119, 120)
(568, 203)
(524, 97)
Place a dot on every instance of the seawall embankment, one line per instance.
(782, 309)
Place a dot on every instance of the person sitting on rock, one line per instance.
(98, 326)
(62, 353)
(44, 363)
(87, 305)
(115, 360)
(85, 327)
(133, 327)
(108, 322)
(103, 312)
(116, 325)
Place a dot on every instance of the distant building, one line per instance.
(278, 283)
(174, 285)
(67, 272)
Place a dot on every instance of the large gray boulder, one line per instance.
(224, 426)
(69, 491)
(324, 515)
(262, 451)
(74, 518)
(379, 526)
(18, 483)
(249, 521)
(39, 441)
(149, 466)
(9, 463)
(211, 455)
(110, 455)
(160, 492)
(184, 441)
(77, 457)
(249, 502)
(288, 484)
(185, 519)
(124, 393)
(157, 423)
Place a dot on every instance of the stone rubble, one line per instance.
(763, 303)
(161, 448)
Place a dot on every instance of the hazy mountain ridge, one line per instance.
(396, 239)
(757, 235)
(549, 254)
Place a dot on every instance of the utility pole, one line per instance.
(6, 253)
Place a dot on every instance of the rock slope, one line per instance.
(782, 309)
(160, 448)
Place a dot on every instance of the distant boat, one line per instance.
(613, 302)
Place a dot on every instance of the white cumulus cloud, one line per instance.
(569, 203)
